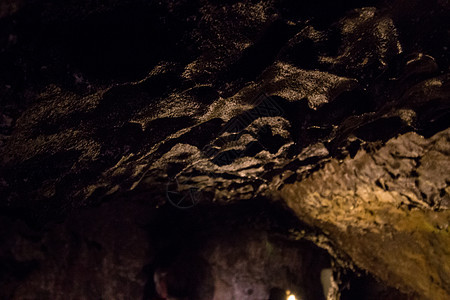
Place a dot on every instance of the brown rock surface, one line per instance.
(324, 122)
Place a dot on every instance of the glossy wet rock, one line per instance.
(335, 111)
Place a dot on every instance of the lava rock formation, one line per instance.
(237, 147)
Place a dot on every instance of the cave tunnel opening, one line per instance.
(243, 251)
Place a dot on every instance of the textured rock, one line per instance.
(75, 259)
(336, 110)
(379, 202)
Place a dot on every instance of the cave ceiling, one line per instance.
(336, 111)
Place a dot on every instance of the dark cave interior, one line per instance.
(239, 149)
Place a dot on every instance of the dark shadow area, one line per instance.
(185, 239)
(366, 287)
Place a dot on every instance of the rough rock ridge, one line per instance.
(335, 112)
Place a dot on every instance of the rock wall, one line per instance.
(335, 112)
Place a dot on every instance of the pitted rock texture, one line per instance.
(77, 141)
(379, 201)
(338, 109)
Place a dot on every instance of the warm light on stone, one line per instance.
(241, 149)
(291, 297)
